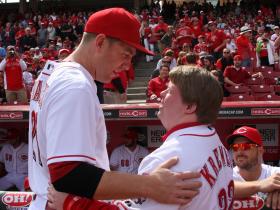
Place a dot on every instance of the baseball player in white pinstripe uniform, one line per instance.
(14, 156)
(127, 157)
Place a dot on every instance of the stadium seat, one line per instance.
(267, 74)
(253, 61)
(277, 89)
(261, 90)
(264, 69)
(277, 67)
(271, 80)
(248, 69)
(254, 81)
(268, 97)
(239, 97)
(238, 89)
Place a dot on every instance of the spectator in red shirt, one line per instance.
(158, 84)
(33, 30)
(244, 46)
(160, 29)
(216, 39)
(236, 75)
(196, 28)
(184, 34)
(13, 66)
(20, 33)
(201, 46)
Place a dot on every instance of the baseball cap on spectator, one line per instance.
(248, 132)
(202, 54)
(63, 51)
(237, 58)
(275, 27)
(30, 23)
(228, 36)
(42, 60)
(244, 29)
(117, 23)
(211, 23)
(44, 49)
(169, 53)
(12, 133)
(201, 36)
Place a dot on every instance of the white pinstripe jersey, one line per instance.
(67, 124)
(199, 149)
(15, 159)
(126, 160)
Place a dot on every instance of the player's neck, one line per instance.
(252, 174)
(132, 148)
(16, 145)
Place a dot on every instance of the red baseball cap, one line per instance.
(63, 51)
(237, 58)
(42, 60)
(245, 131)
(117, 23)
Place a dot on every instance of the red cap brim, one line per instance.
(139, 47)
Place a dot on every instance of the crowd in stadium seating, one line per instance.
(187, 34)
(239, 44)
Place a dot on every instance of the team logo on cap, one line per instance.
(241, 130)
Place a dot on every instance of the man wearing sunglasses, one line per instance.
(247, 147)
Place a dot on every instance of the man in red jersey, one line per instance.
(217, 40)
(244, 46)
(13, 66)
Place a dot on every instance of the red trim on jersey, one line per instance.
(59, 170)
(46, 74)
(207, 135)
(179, 127)
(62, 156)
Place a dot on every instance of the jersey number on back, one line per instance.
(34, 137)
(225, 197)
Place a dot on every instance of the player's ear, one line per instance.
(261, 150)
(100, 41)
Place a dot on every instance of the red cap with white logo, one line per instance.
(245, 131)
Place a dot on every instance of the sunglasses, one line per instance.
(243, 146)
(226, 52)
